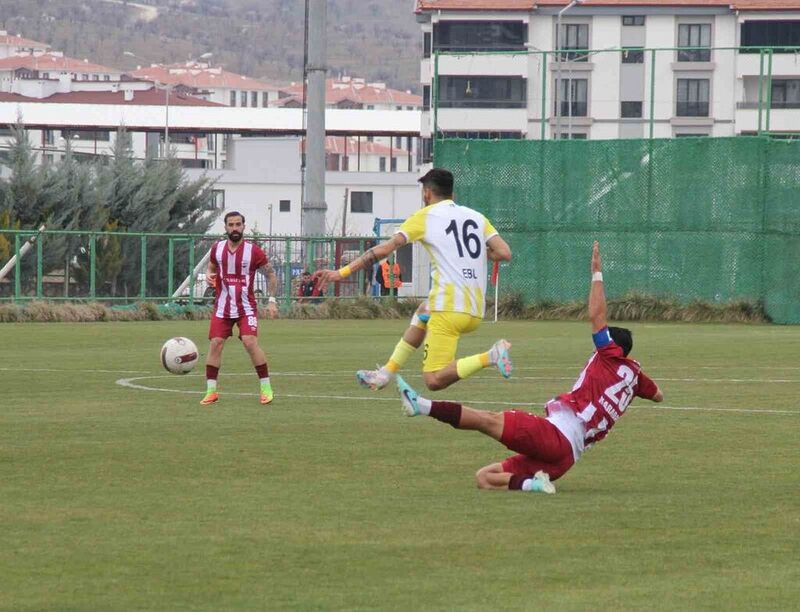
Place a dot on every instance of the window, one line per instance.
(106, 77)
(101, 135)
(698, 135)
(630, 110)
(95, 77)
(573, 136)
(6, 132)
(426, 97)
(233, 98)
(254, 99)
(482, 92)
(361, 201)
(243, 98)
(786, 93)
(694, 35)
(573, 97)
(574, 36)
(479, 36)
(48, 137)
(393, 165)
(264, 99)
(426, 44)
(771, 33)
(633, 56)
(692, 98)
(370, 107)
(45, 75)
(285, 206)
(211, 142)
(426, 150)
(633, 20)
(216, 200)
(382, 164)
(398, 142)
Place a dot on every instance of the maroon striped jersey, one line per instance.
(605, 387)
(236, 272)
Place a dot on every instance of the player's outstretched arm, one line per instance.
(597, 294)
(364, 261)
(498, 249)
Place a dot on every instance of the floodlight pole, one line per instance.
(314, 207)
(558, 64)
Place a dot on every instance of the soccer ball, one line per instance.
(179, 355)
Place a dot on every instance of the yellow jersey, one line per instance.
(455, 237)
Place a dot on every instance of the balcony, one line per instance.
(780, 120)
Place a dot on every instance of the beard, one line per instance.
(234, 236)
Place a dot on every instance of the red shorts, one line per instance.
(540, 444)
(223, 328)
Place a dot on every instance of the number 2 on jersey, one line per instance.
(471, 240)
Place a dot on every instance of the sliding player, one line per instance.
(549, 446)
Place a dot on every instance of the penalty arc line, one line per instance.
(131, 384)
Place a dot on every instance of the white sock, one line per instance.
(386, 372)
(264, 381)
(424, 405)
(211, 385)
(494, 354)
(527, 484)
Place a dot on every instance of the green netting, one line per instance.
(712, 219)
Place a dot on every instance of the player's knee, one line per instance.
(250, 342)
(433, 383)
(217, 343)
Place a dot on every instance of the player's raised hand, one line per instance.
(597, 265)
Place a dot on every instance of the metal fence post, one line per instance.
(39, 266)
(92, 265)
(170, 264)
(360, 288)
(760, 87)
(287, 274)
(17, 268)
(435, 104)
(143, 271)
(652, 91)
(769, 88)
(191, 272)
(544, 95)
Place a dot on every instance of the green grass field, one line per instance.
(120, 498)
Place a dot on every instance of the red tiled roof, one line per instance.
(476, 5)
(335, 144)
(357, 91)
(201, 76)
(19, 41)
(149, 97)
(50, 61)
(527, 5)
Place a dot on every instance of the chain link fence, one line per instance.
(711, 219)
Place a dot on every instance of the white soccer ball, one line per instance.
(179, 355)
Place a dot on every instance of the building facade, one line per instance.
(609, 68)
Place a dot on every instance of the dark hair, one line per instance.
(438, 180)
(233, 213)
(623, 338)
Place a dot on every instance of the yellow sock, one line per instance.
(467, 366)
(401, 353)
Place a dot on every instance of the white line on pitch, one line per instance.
(129, 383)
(81, 371)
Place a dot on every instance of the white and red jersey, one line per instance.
(236, 272)
(606, 386)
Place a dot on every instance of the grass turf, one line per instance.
(123, 498)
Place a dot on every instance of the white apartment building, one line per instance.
(606, 80)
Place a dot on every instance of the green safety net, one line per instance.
(711, 219)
